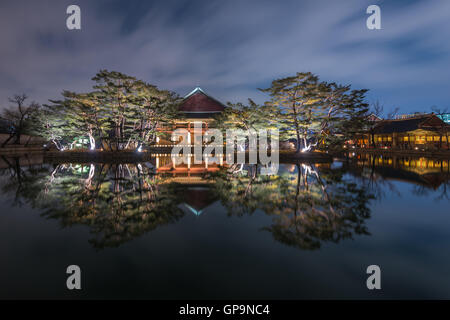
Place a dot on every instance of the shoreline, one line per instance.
(284, 156)
(405, 153)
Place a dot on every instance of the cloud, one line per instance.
(229, 47)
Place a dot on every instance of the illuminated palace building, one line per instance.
(424, 131)
(198, 111)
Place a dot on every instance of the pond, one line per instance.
(157, 231)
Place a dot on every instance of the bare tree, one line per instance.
(394, 112)
(377, 109)
(444, 127)
(438, 111)
(18, 115)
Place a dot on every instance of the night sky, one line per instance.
(229, 48)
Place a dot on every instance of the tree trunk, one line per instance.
(91, 142)
(17, 140)
(7, 140)
(26, 143)
(298, 143)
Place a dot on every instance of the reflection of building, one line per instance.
(374, 118)
(197, 198)
(198, 110)
(185, 165)
(427, 172)
(193, 178)
(408, 133)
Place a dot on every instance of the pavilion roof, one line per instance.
(199, 102)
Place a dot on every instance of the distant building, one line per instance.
(419, 131)
(444, 117)
(374, 118)
(410, 115)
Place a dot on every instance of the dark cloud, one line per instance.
(229, 47)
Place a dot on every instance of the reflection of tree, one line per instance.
(240, 188)
(308, 206)
(22, 177)
(117, 202)
(365, 172)
(442, 190)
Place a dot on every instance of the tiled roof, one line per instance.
(199, 101)
(199, 198)
(427, 122)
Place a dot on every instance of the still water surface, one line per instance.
(148, 230)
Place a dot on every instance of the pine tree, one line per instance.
(121, 113)
(245, 117)
(113, 91)
(131, 109)
(316, 114)
(49, 122)
(296, 98)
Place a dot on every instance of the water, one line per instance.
(147, 230)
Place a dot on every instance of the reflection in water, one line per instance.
(117, 201)
(427, 175)
(309, 204)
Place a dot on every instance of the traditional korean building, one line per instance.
(373, 118)
(422, 131)
(197, 109)
(445, 117)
